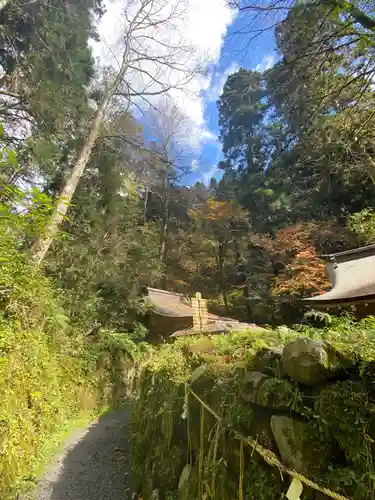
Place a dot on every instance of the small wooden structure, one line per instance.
(168, 311)
(352, 274)
(172, 313)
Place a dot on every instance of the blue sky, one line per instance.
(260, 55)
(209, 27)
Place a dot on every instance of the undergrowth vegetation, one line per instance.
(50, 372)
(182, 452)
(114, 216)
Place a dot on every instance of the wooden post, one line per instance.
(200, 313)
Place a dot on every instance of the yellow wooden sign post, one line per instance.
(200, 313)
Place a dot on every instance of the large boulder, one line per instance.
(270, 392)
(310, 362)
(268, 361)
(299, 446)
(252, 384)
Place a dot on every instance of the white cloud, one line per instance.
(216, 89)
(207, 176)
(194, 165)
(207, 135)
(203, 27)
(266, 63)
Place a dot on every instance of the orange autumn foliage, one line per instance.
(302, 272)
(218, 211)
(304, 275)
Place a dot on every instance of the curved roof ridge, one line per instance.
(352, 254)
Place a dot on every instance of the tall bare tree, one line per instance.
(169, 131)
(152, 58)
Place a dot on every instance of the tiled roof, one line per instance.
(352, 254)
(169, 303)
(217, 326)
(352, 274)
(173, 304)
(176, 305)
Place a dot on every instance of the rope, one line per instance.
(270, 458)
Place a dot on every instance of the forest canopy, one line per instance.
(96, 194)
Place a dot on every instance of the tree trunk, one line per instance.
(358, 15)
(163, 239)
(223, 287)
(237, 252)
(225, 299)
(164, 229)
(372, 169)
(145, 205)
(246, 293)
(41, 246)
(163, 246)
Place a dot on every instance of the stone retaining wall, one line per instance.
(307, 402)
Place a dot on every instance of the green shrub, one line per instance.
(363, 224)
(158, 430)
(174, 440)
(171, 435)
(38, 392)
(49, 372)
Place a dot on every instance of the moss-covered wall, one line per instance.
(50, 371)
(43, 386)
(310, 401)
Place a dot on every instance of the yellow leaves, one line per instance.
(295, 238)
(308, 253)
(218, 211)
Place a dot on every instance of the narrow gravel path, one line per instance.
(93, 465)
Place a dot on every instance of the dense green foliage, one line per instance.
(297, 180)
(181, 452)
(108, 252)
(297, 173)
(46, 63)
(49, 370)
(46, 104)
(298, 159)
(48, 375)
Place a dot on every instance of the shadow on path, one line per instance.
(94, 464)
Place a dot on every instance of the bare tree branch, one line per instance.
(133, 82)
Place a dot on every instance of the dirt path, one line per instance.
(93, 465)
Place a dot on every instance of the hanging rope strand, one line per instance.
(270, 458)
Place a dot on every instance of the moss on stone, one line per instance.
(262, 482)
(350, 416)
(337, 446)
(300, 445)
(159, 432)
(268, 361)
(270, 392)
